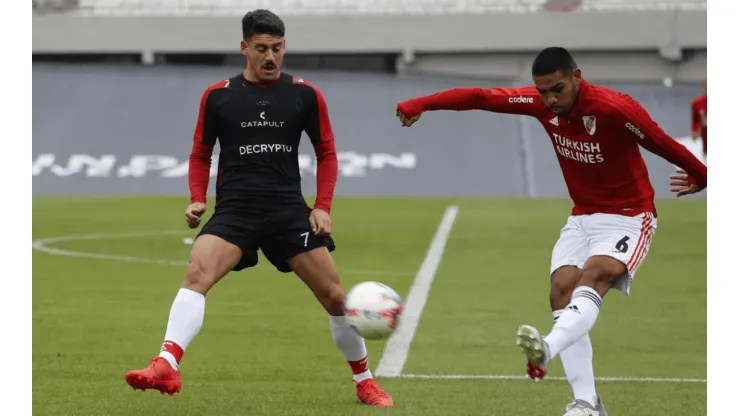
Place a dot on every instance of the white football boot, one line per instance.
(583, 408)
(536, 350)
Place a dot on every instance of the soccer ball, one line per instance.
(373, 310)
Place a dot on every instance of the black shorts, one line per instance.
(280, 234)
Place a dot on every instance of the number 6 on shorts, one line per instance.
(622, 244)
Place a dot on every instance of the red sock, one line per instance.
(174, 349)
(358, 367)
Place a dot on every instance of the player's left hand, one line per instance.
(682, 185)
(320, 222)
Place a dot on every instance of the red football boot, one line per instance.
(535, 373)
(159, 375)
(370, 393)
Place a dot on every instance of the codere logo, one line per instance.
(521, 100)
(635, 130)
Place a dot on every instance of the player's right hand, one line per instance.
(406, 121)
(408, 113)
(193, 213)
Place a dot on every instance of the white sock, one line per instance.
(352, 346)
(576, 321)
(186, 319)
(578, 365)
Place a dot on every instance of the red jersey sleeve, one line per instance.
(635, 121)
(524, 101)
(319, 130)
(204, 138)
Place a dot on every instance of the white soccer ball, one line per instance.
(373, 310)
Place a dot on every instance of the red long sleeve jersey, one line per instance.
(258, 127)
(699, 118)
(597, 143)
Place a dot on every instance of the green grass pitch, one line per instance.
(266, 349)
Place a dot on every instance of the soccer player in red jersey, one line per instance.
(597, 134)
(699, 119)
(258, 117)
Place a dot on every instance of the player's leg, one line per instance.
(211, 258)
(317, 270)
(613, 260)
(568, 256)
(292, 246)
(578, 358)
(619, 245)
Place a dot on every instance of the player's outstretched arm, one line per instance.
(319, 130)
(525, 101)
(199, 164)
(636, 121)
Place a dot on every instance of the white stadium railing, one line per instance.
(615, 5)
(354, 7)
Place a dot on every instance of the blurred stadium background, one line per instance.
(102, 66)
(116, 86)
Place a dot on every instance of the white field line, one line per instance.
(397, 349)
(44, 245)
(513, 377)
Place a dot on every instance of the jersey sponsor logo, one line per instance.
(263, 122)
(351, 164)
(631, 127)
(521, 100)
(265, 148)
(584, 152)
(589, 122)
(554, 121)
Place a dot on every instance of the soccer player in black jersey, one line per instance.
(258, 117)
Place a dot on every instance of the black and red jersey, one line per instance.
(258, 127)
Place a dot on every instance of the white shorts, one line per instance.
(626, 239)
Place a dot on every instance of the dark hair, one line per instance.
(551, 60)
(262, 21)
